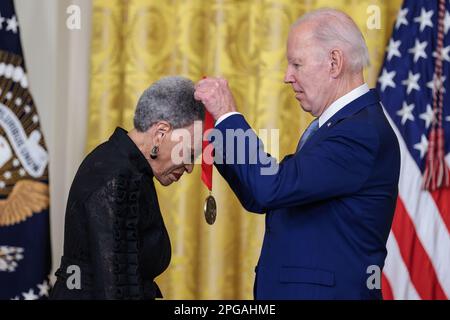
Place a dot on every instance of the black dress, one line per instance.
(114, 231)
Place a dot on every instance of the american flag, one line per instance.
(24, 196)
(414, 86)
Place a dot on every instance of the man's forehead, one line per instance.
(302, 33)
(300, 40)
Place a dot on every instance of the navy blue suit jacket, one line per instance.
(329, 207)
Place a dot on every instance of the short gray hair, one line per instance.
(337, 28)
(169, 99)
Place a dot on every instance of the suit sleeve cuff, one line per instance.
(224, 116)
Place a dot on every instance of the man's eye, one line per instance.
(296, 65)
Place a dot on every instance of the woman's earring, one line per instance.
(154, 153)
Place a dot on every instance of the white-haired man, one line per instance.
(330, 205)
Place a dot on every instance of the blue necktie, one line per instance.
(312, 128)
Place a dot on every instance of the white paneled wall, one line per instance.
(57, 60)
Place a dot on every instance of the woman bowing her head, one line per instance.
(114, 232)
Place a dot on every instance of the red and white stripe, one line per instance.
(418, 261)
(396, 274)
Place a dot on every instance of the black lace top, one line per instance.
(114, 231)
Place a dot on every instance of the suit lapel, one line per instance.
(350, 109)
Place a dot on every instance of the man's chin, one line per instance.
(305, 108)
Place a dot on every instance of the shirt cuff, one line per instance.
(224, 116)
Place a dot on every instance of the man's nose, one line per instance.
(289, 77)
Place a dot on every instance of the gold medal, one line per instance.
(209, 210)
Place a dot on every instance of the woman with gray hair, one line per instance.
(115, 241)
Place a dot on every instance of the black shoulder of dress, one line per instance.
(118, 158)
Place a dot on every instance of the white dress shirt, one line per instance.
(225, 115)
(342, 102)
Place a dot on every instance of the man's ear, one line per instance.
(337, 62)
(160, 131)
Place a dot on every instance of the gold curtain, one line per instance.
(135, 42)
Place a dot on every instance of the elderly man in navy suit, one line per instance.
(329, 206)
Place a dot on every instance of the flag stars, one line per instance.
(18, 102)
(424, 19)
(2, 19)
(9, 95)
(27, 109)
(406, 112)
(401, 18)
(12, 24)
(393, 49)
(16, 163)
(422, 146)
(439, 83)
(445, 54)
(22, 172)
(387, 79)
(2, 184)
(7, 175)
(419, 50)
(43, 289)
(412, 82)
(447, 22)
(30, 295)
(35, 118)
(427, 116)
